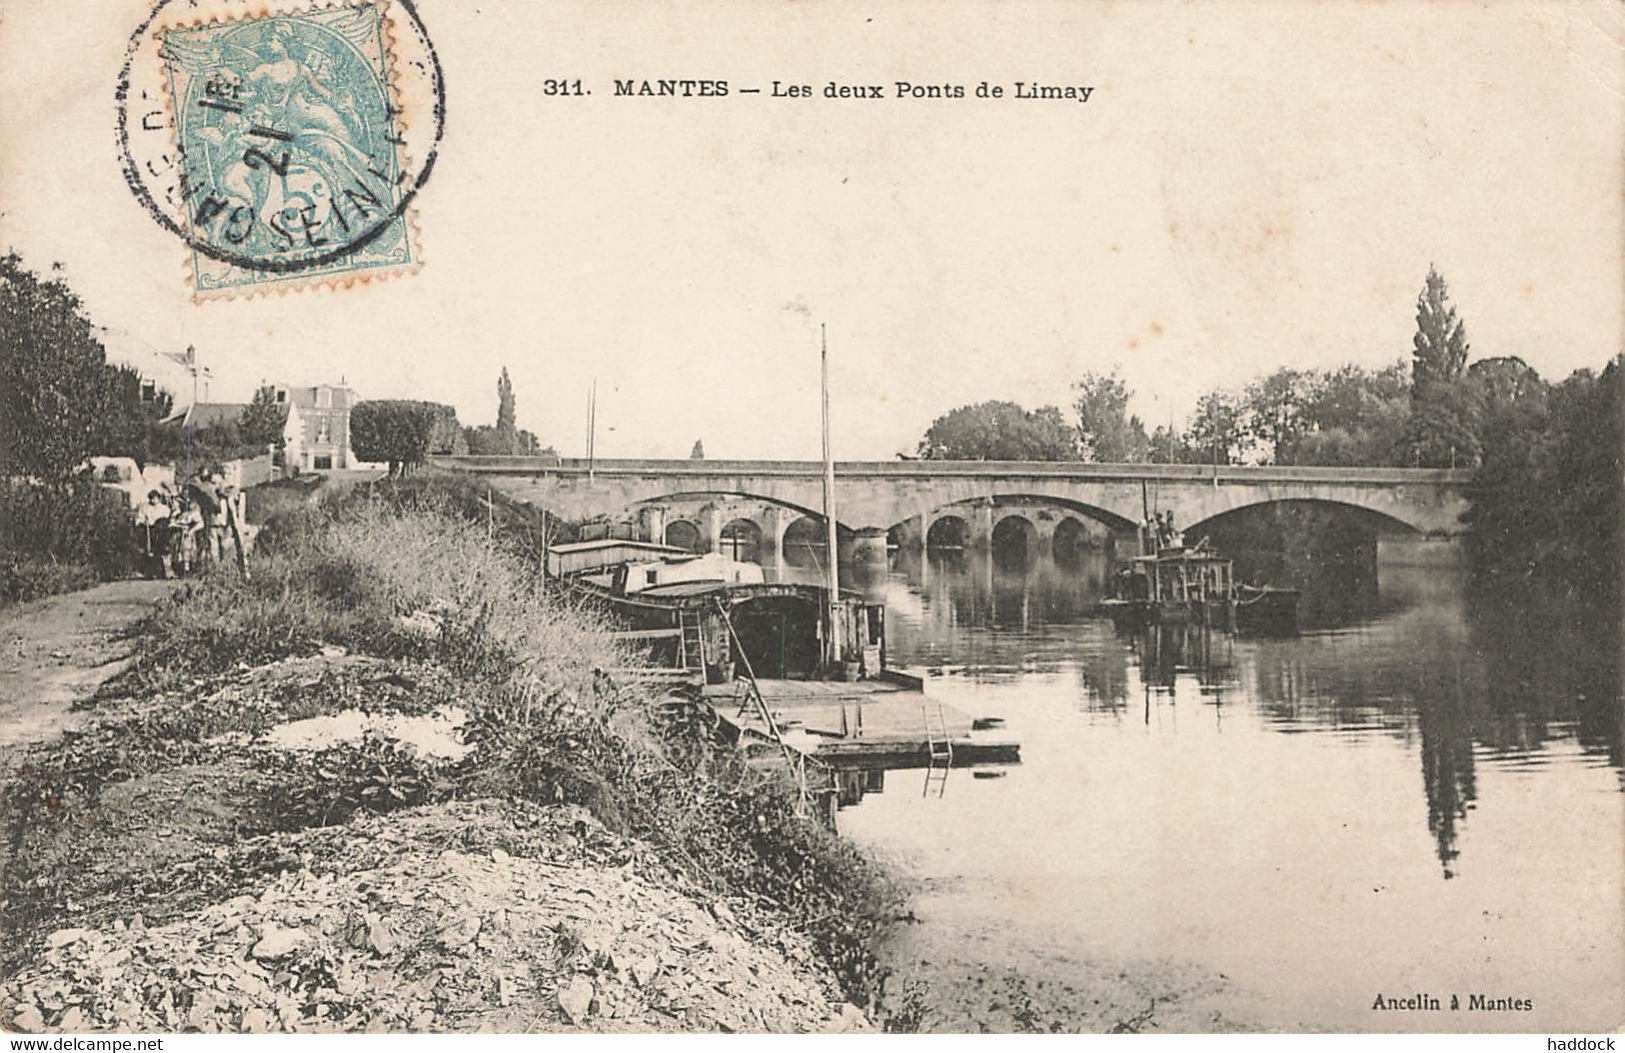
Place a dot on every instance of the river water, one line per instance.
(1418, 797)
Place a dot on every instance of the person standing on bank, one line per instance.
(188, 530)
(152, 519)
(204, 496)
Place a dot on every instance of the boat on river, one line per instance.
(754, 652)
(1174, 583)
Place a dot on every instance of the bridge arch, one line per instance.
(1071, 540)
(971, 523)
(742, 540)
(1015, 539)
(1100, 514)
(947, 533)
(1375, 519)
(806, 543)
(683, 534)
(743, 525)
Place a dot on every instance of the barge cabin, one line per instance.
(702, 614)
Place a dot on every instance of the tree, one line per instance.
(1545, 506)
(1508, 382)
(698, 452)
(1171, 446)
(1216, 434)
(507, 429)
(1445, 414)
(264, 419)
(133, 409)
(1355, 416)
(1439, 348)
(1443, 431)
(447, 434)
(1000, 431)
(1583, 471)
(1512, 404)
(394, 430)
(482, 440)
(1275, 412)
(53, 389)
(1106, 430)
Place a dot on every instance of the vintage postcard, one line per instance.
(750, 516)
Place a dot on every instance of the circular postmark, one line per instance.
(281, 144)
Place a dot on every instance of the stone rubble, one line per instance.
(402, 923)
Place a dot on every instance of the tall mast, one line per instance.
(592, 428)
(832, 647)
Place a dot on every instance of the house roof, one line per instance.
(207, 413)
(305, 397)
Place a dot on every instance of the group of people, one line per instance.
(179, 532)
(1159, 530)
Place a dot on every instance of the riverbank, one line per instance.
(964, 962)
(384, 785)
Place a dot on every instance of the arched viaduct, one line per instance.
(904, 499)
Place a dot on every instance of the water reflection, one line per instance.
(1166, 651)
(1222, 784)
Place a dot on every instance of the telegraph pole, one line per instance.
(832, 646)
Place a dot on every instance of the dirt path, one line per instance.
(58, 650)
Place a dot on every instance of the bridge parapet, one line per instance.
(936, 469)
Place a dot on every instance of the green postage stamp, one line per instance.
(290, 150)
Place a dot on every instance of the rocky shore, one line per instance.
(462, 915)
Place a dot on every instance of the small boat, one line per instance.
(1175, 583)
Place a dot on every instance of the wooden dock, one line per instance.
(865, 724)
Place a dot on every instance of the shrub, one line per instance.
(270, 501)
(22, 580)
(61, 537)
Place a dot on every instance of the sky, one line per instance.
(1250, 185)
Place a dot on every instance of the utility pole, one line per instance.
(189, 360)
(832, 647)
(592, 428)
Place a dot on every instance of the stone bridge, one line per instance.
(714, 505)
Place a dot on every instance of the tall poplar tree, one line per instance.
(1442, 431)
(1439, 353)
(507, 429)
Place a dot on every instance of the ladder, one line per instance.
(940, 748)
(751, 693)
(690, 644)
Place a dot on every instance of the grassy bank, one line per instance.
(395, 603)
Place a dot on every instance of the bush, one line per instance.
(270, 501)
(32, 579)
(61, 537)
